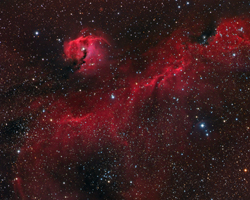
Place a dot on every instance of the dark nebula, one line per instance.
(124, 100)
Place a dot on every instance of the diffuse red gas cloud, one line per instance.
(115, 143)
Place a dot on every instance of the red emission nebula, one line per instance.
(118, 143)
(168, 122)
(87, 52)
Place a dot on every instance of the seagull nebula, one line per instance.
(125, 100)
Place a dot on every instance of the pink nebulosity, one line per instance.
(230, 45)
(88, 52)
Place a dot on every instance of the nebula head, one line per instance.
(87, 54)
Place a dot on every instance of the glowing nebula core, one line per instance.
(89, 53)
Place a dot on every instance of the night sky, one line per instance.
(109, 99)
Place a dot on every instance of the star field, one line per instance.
(124, 99)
